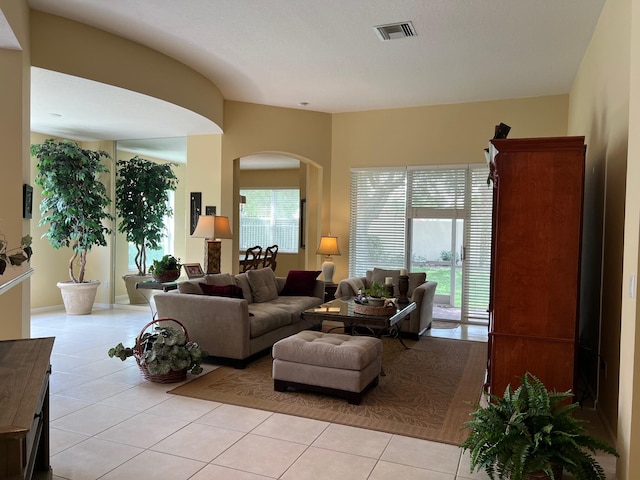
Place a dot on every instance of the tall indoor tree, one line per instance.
(74, 205)
(142, 203)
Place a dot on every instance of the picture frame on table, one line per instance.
(193, 270)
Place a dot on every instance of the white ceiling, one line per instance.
(326, 53)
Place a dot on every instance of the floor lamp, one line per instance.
(212, 228)
(328, 246)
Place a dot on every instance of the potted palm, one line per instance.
(74, 205)
(531, 433)
(142, 203)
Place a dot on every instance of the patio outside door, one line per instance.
(436, 248)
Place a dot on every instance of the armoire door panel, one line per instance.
(551, 361)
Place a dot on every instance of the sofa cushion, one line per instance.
(263, 284)
(193, 286)
(190, 287)
(231, 291)
(300, 283)
(220, 279)
(266, 317)
(243, 282)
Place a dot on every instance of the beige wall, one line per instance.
(58, 43)
(203, 175)
(599, 109)
(14, 137)
(444, 134)
(251, 128)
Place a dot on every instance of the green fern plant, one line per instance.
(532, 430)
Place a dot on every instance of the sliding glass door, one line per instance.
(436, 249)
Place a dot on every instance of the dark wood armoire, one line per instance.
(535, 266)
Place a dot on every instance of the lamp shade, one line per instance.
(210, 226)
(222, 228)
(205, 228)
(328, 246)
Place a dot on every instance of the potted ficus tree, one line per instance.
(142, 203)
(531, 433)
(74, 205)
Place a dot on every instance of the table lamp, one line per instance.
(212, 228)
(328, 246)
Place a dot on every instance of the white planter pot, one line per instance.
(78, 298)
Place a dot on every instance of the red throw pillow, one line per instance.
(300, 283)
(232, 291)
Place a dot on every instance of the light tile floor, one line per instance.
(109, 423)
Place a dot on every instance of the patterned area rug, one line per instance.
(428, 391)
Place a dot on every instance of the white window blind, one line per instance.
(437, 192)
(378, 219)
(477, 241)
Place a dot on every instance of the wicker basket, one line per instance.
(377, 311)
(171, 377)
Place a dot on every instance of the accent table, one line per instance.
(150, 287)
(343, 310)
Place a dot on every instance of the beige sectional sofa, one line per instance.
(240, 328)
(420, 291)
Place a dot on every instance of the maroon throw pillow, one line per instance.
(300, 283)
(232, 291)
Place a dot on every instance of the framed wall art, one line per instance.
(27, 201)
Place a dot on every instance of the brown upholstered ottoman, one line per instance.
(341, 365)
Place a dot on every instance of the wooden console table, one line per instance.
(24, 408)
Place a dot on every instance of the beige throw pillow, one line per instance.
(263, 284)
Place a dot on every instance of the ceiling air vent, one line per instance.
(393, 31)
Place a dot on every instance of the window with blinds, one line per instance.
(385, 200)
(270, 217)
(378, 219)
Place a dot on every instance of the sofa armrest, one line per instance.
(424, 296)
(349, 286)
(219, 324)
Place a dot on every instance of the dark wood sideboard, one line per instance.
(536, 253)
(24, 408)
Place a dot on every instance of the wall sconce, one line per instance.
(212, 229)
(328, 246)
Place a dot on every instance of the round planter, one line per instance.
(557, 473)
(135, 297)
(167, 276)
(375, 301)
(78, 298)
